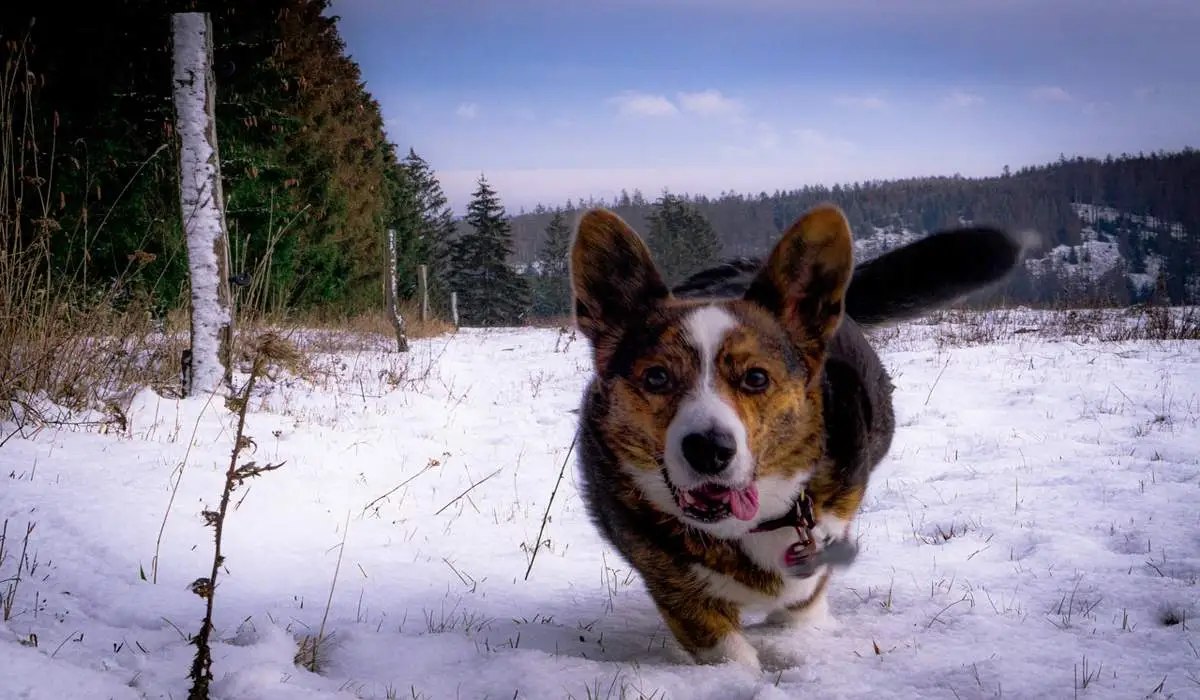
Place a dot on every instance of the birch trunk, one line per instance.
(202, 205)
(393, 304)
(423, 291)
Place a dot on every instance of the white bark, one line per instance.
(393, 305)
(201, 201)
(423, 291)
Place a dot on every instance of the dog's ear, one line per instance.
(613, 279)
(803, 282)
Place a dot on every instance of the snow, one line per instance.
(883, 239)
(1033, 532)
(1097, 254)
(200, 196)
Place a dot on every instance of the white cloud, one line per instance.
(1050, 93)
(813, 140)
(961, 99)
(765, 141)
(711, 103)
(640, 104)
(467, 110)
(866, 102)
(768, 138)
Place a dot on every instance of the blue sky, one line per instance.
(569, 98)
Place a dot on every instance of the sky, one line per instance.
(558, 99)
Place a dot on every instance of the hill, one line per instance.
(1112, 230)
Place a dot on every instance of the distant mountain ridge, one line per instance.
(1113, 230)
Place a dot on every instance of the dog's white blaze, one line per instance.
(707, 328)
(703, 409)
(732, 647)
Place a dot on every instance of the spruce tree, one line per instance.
(490, 292)
(552, 292)
(680, 237)
(425, 226)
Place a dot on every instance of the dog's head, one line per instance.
(713, 405)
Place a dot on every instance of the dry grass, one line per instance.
(65, 345)
(962, 328)
(330, 332)
(270, 351)
(74, 350)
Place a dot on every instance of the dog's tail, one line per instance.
(933, 272)
(900, 284)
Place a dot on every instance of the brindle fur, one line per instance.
(834, 417)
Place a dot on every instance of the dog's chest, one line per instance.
(767, 550)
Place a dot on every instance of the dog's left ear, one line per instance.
(803, 282)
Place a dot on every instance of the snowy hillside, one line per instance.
(1032, 535)
(1097, 255)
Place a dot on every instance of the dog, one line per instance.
(731, 424)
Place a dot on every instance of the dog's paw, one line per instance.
(732, 647)
(777, 657)
(815, 615)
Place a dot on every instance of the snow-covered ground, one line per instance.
(1034, 534)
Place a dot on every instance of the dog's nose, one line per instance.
(709, 452)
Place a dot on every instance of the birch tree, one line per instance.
(202, 205)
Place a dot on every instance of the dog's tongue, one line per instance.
(743, 503)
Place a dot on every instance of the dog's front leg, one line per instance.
(709, 629)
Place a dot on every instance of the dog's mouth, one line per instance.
(711, 502)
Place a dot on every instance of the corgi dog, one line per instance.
(731, 425)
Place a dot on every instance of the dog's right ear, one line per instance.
(613, 279)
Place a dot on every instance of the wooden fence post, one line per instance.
(202, 205)
(423, 291)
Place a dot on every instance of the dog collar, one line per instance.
(802, 558)
(800, 517)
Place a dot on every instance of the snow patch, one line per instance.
(1037, 507)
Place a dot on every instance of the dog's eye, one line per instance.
(755, 380)
(656, 379)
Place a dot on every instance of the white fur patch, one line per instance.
(707, 328)
(815, 615)
(795, 590)
(732, 647)
(703, 409)
(766, 549)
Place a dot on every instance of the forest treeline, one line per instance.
(312, 183)
(1155, 224)
(310, 179)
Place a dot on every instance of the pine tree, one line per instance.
(490, 292)
(431, 228)
(681, 239)
(552, 291)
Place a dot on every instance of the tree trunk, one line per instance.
(423, 291)
(392, 303)
(202, 205)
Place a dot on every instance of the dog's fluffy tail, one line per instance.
(900, 284)
(933, 272)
